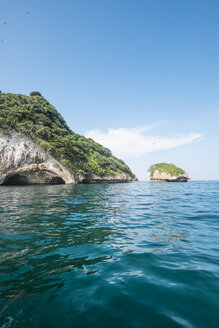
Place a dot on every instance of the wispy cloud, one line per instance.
(135, 142)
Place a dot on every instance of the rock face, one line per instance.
(166, 177)
(164, 172)
(22, 162)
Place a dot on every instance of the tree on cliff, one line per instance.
(35, 93)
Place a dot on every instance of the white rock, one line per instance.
(166, 177)
(22, 157)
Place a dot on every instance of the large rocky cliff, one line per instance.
(22, 161)
(27, 157)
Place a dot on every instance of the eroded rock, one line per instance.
(166, 177)
(164, 172)
(22, 161)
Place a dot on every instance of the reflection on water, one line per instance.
(91, 248)
(46, 235)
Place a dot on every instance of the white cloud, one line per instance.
(134, 142)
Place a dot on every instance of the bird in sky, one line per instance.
(5, 23)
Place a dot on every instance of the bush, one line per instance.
(35, 93)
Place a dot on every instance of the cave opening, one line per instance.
(33, 177)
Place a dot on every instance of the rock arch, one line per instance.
(32, 177)
(22, 162)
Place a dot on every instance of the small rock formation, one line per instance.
(163, 172)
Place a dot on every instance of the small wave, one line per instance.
(7, 323)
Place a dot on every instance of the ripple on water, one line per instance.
(133, 255)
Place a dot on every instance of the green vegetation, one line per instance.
(39, 120)
(35, 93)
(172, 169)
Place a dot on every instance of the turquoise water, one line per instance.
(114, 255)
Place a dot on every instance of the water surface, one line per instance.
(113, 255)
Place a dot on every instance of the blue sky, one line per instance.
(145, 73)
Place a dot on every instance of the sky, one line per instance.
(140, 77)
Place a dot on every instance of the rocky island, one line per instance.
(38, 147)
(164, 172)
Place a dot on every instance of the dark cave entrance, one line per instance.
(32, 178)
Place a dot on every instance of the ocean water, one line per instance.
(112, 255)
